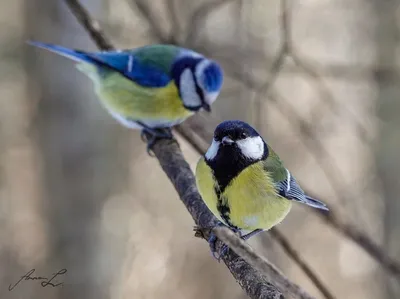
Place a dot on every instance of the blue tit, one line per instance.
(149, 88)
(244, 182)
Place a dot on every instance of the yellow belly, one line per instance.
(128, 99)
(251, 197)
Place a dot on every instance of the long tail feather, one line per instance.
(96, 59)
(312, 202)
(76, 55)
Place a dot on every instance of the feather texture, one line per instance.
(286, 184)
(251, 201)
(148, 66)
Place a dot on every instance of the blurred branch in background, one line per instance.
(348, 230)
(256, 284)
(315, 147)
(196, 142)
(313, 144)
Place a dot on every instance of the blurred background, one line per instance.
(319, 80)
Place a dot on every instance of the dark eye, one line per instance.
(243, 135)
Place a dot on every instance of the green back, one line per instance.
(274, 165)
(159, 56)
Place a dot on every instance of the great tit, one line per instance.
(244, 182)
(149, 88)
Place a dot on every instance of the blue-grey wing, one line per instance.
(290, 189)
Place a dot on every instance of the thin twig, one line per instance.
(258, 277)
(348, 230)
(258, 262)
(255, 283)
(276, 234)
(325, 94)
(364, 241)
(199, 17)
(314, 145)
(278, 63)
(290, 251)
(175, 25)
(155, 25)
(91, 25)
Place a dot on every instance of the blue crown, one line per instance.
(213, 77)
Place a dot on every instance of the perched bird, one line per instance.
(244, 183)
(151, 88)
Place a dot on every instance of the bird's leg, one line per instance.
(251, 234)
(224, 248)
(213, 241)
(155, 133)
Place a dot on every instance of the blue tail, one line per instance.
(76, 55)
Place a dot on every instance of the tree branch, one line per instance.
(256, 284)
(350, 231)
(90, 25)
(192, 138)
(155, 25)
(290, 251)
(199, 17)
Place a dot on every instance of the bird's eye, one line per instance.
(243, 135)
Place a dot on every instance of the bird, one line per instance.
(245, 184)
(151, 88)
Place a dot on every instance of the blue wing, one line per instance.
(290, 189)
(123, 62)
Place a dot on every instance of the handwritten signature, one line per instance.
(44, 281)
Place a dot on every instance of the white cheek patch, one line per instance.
(189, 95)
(212, 150)
(252, 147)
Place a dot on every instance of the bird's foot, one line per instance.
(251, 234)
(151, 136)
(223, 250)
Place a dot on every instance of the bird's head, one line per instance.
(199, 81)
(236, 142)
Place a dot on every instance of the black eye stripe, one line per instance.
(199, 91)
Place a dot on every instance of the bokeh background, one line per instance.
(320, 81)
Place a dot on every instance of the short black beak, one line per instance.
(227, 141)
(206, 107)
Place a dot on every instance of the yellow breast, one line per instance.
(253, 200)
(128, 99)
(251, 197)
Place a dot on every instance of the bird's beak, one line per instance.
(206, 107)
(227, 141)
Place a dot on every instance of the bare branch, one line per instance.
(173, 16)
(290, 251)
(271, 283)
(178, 171)
(199, 17)
(260, 263)
(192, 138)
(280, 59)
(325, 94)
(348, 230)
(364, 241)
(145, 10)
(91, 25)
